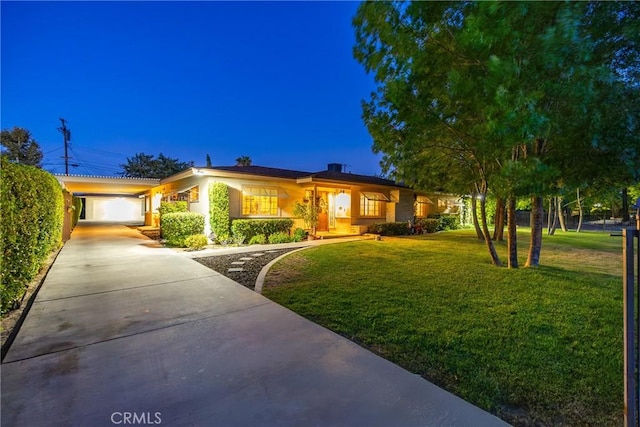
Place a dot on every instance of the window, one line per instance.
(259, 201)
(194, 194)
(370, 206)
(422, 206)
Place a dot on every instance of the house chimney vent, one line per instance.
(334, 167)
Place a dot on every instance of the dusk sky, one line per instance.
(275, 81)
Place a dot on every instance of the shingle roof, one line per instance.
(264, 171)
(359, 179)
(295, 174)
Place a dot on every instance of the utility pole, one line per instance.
(66, 133)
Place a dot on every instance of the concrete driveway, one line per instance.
(123, 332)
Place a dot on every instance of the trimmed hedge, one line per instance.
(172, 207)
(31, 223)
(219, 210)
(427, 225)
(77, 210)
(177, 226)
(390, 229)
(252, 227)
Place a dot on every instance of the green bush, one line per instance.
(448, 222)
(77, 210)
(258, 239)
(390, 228)
(280, 238)
(299, 235)
(196, 242)
(31, 223)
(172, 207)
(219, 211)
(427, 225)
(252, 227)
(177, 226)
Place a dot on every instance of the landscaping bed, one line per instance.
(253, 264)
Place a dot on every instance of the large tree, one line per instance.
(507, 93)
(144, 165)
(19, 146)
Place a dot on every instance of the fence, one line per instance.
(631, 282)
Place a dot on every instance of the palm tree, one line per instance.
(243, 161)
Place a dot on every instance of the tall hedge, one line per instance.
(245, 229)
(170, 207)
(31, 220)
(219, 210)
(177, 226)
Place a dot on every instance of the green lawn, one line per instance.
(530, 345)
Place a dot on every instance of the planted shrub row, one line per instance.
(31, 223)
(245, 229)
(177, 226)
(390, 228)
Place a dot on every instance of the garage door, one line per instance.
(125, 209)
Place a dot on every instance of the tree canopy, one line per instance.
(511, 98)
(144, 165)
(243, 161)
(20, 147)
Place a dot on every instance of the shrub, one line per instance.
(196, 242)
(219, 211)
(428, 225)
(31, 223)
(252, 227)
(299, 235)
(448, 222)
(171, 207)
(258, 239)
(390, 228)
(280, 238)
(177, 226)
(77, 210)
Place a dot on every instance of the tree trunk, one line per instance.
(560, 210)
(487, 237)
(579, 211)
(537, 224)
(474, 215)
(512, 237)
(550, 216)
(552, 208)
(498, 232)
(625, 206)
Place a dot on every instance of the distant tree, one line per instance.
(243, 161)
(208, 161)
(144, 165)
(21, 147)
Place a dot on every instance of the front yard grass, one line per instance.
(534, 346)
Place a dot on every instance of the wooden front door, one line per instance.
(323, 221)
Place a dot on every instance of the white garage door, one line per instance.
(126, 209)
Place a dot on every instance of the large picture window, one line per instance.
(371, 204)
(260, 201)
(422, 206)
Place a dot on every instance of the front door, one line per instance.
(323, 216)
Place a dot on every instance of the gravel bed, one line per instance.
(250, 269)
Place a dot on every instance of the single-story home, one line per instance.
(350, 202)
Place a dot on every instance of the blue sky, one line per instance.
(275, 81)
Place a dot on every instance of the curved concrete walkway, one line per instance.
(122, 330)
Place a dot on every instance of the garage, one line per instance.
(110, 199)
